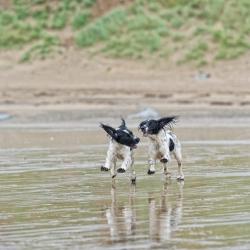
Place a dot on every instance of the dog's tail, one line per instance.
(109, 130)
(168, 121)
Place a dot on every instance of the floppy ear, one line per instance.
(167, 121)
(111, 131)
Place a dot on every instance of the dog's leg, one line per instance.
(152, 152)
(178, 157)
(151, 169)
(128, 163)
(110, 160)
(112, 168)
(132, 168)
(164, 142)
(128, 160)
(132, 172)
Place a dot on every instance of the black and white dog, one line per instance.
(121, 145)
(162, 142)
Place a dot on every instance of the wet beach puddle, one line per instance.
(57, 198)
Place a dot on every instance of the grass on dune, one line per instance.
(33, 25)
(196, 31)
(42, 49)
(102, 29)
(218, 28)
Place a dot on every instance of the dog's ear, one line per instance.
(123, 123)
(167, 121)
(111, 131)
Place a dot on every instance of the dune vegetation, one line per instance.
(183, 31)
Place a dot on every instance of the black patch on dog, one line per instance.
(153, 127)
(122, 135)
(171, 145)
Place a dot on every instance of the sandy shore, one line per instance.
(75, 88)
(76, 78)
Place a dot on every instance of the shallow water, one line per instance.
(56, 198)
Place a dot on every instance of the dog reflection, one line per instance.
(121, 218)
(165, 218)
(164, 215)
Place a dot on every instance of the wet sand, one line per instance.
(55, 197)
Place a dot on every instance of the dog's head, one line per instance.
(153, 127)
(122, 135)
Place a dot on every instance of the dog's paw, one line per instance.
(121, 170)
(133, 181)
(104, 169)
(164, 160)
(150, 172)
(180, 178)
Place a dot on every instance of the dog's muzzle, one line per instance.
(144, 130)
(136, 141)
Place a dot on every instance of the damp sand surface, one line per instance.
(53, 195)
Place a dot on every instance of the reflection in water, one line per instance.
(121, 218)
(165, 218)
(56, 199)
